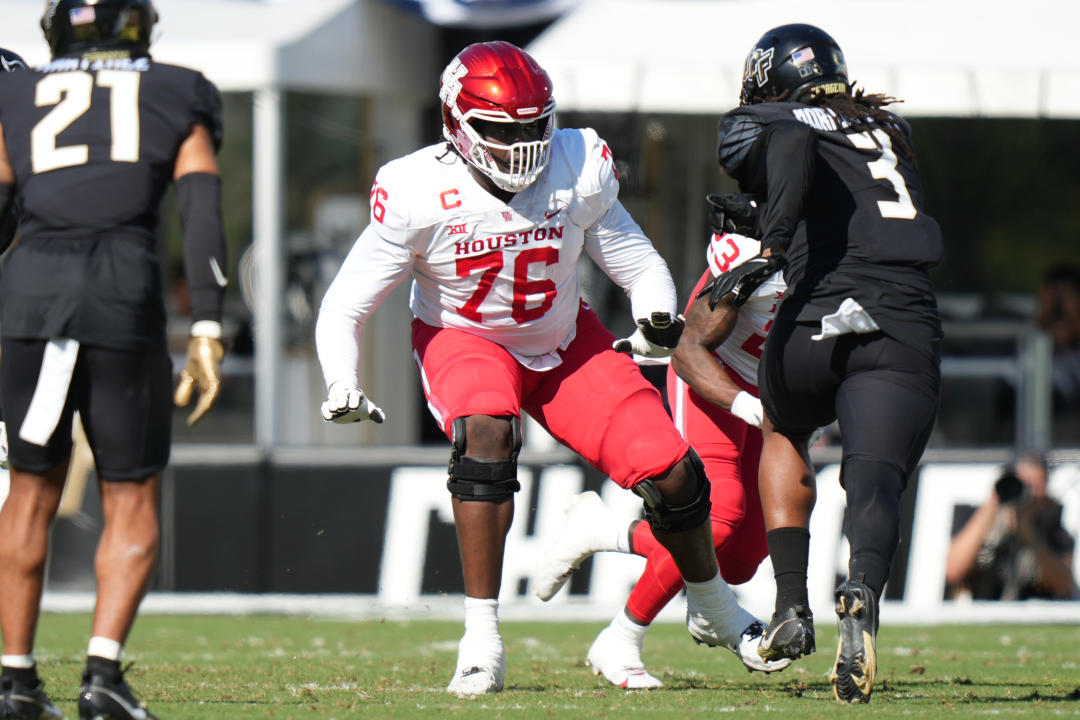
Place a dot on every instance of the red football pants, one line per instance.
(596, 402)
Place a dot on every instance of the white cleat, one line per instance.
(747, 650)
(620, 663)
(744, 644)
(571, 548)
(480, 670)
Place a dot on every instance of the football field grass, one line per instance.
(266, 666)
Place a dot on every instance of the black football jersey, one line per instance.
(861, 231)
(93, 144)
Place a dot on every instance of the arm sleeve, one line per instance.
(198, 196)
(790, 159)
(373, 267)
(619, 247)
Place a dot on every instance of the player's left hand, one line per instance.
(656, 337)
(203, 371)
(733, 213)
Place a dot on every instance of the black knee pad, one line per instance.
(483, 480)
(666, 518)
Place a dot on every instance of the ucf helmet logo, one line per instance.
(758, 64)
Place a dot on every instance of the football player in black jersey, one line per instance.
(9, 62)
(9, 220)
(89, 144)
(857, 336)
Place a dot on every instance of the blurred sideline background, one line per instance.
(265, 507)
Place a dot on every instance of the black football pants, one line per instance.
(884, 395)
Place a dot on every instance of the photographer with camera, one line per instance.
(1013, 546)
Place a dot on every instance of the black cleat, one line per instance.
(790, 634)
(101, 698)
(852, 677)
(23, 702)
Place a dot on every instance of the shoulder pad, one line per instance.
(590, 170)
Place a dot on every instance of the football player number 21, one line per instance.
(70, 92)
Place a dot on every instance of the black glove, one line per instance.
(656, 337)
(733, 213)
(742, 280)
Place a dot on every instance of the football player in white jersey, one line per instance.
(712, 390)
(490, 225)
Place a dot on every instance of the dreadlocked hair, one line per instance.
(860, 109)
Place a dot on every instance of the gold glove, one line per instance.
(204, 370)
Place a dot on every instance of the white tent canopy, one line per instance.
(942, 57)
(266, 47)
(353, 46)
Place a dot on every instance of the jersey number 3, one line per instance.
(71, 93)
(884, 168)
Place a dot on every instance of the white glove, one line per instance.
(655, 337)
(347, 404)
(747, 408)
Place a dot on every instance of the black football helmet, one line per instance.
(793, 62)
(10, 62)
(77, 26)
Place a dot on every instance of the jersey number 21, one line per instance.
(71, 93)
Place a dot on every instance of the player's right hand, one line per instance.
(347, 404)
(741, 281)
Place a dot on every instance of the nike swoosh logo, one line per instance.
(219, 277)
(549, 215)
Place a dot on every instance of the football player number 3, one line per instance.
(70, 93)
(884, 168)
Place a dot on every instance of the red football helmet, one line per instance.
(495, 96)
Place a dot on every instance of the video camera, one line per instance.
(1009, 488)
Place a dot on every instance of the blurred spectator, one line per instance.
(1013, 546)
(1058, 314)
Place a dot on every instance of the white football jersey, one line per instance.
(504, 271)
(742, 348)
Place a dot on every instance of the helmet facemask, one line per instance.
(503, 149)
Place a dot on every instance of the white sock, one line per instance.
(609, 533)
(103, 647)
(481, 617)
(714, 595)
(624, 627)
(622, 539)
(21, 662)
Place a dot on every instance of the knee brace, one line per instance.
(665, 518)
(483, 480)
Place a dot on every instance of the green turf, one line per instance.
(196, 667)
